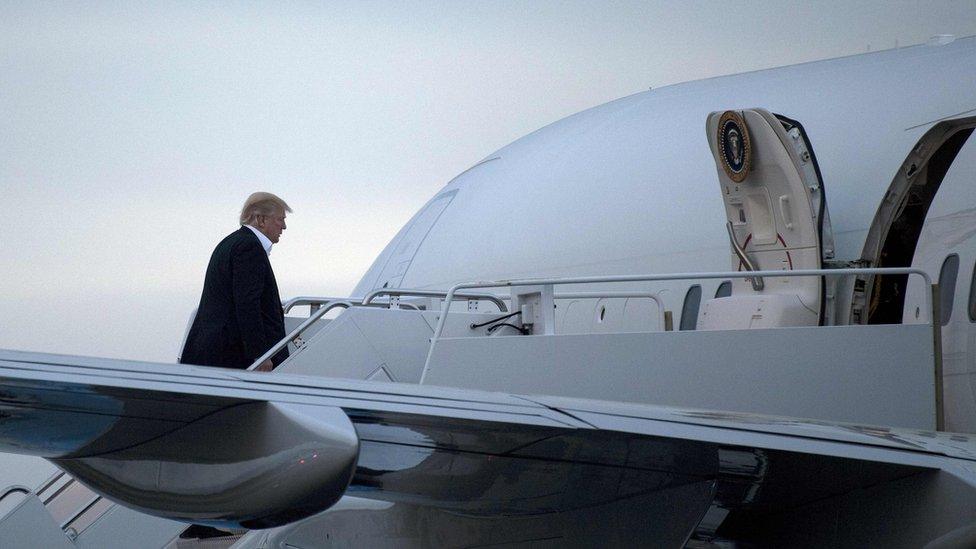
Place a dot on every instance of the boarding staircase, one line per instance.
(539, 340)
(62, 513)
(598, 344)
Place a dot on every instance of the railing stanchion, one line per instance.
(297, 331)
(448, 299)
(397, 292)
(937, 356)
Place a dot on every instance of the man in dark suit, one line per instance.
(240, 315)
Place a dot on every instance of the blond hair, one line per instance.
(262, 203)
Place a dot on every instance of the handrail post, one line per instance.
(548, 312)
(398, 292)
(756, 281)
(937, 352)
(314, 302)
(448, 299)
(298, 330)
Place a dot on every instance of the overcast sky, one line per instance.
(132, 132)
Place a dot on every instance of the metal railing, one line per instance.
(320, 305)
(277, 347)
(314, 301)
(930, 298)
(756, 281)
(370, 300)
(396, 292)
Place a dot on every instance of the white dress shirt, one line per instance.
(265, 241)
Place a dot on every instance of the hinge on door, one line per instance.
(859, 291)
(858, 301)
(846, 296)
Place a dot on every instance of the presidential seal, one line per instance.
(734, 146)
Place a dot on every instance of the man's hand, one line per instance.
(265, 366)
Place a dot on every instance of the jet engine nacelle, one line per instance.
(253, 465)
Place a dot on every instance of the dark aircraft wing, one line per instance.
(259, 450)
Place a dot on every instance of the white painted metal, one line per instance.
(536, 306)
(29, 525)
(890, 382)
(624, 188)
(628, 187)
(371, 297)
(421, 408)
(774, 223)
(363, 340)
(949, 230)
(654, 277)
(608, 311)
(314, 301)
(312, 319)
(124, 527)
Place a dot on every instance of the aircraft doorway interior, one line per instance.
(895, 234)
(945, 247)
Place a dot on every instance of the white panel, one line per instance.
(381, 374)
(773, 220)
(607, 315)
(292, 322)
(30, 525)
(350, 354)
(760, 215)
(27, 471)
(123, 527)
(573, 316)
(399, 337)
(880, 375)
(642, 315)
(362, 339)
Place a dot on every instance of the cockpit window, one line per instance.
(947, 285)
(689, 312)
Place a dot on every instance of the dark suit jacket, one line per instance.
(240, 314)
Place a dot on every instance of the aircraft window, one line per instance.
(724, 289)
(947, 285)
(972, 297)
(689, 311)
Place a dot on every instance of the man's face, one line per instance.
(272, 225)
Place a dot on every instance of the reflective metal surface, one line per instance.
(255, 465)
(454, 467)
(459, 483)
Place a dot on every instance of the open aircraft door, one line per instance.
(776, 216)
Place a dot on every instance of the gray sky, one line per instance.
(132, 132)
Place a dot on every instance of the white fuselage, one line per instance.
(621, 189)
(629, 187)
